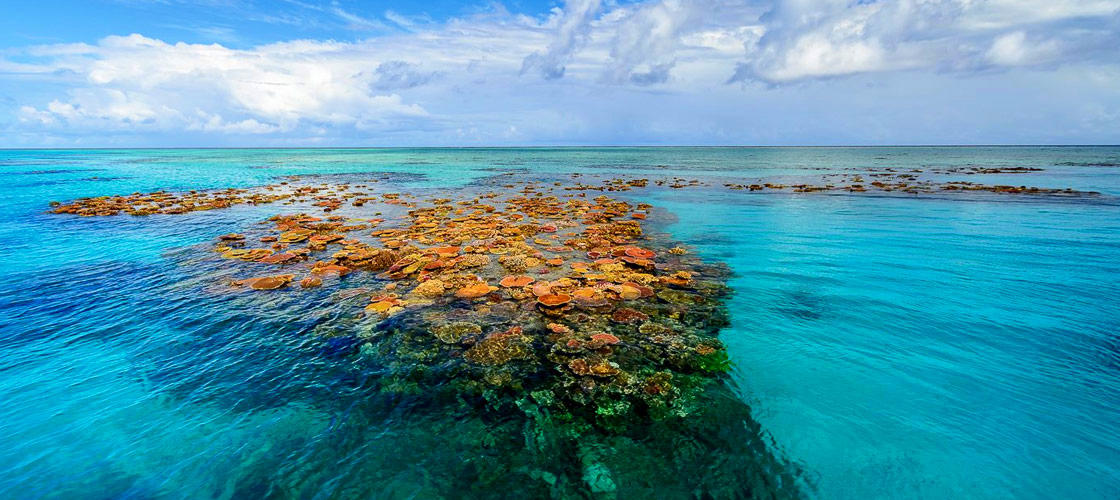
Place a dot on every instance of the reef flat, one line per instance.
(579, 347)
(855, 181)
(899, 339)
(535, 300)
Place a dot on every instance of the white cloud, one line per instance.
(640, 44)
(392, 75)
(807, 39)
(1001, 14)
(646, 41)
(468, 79)
(215, 123)
(103, 109)
(1014, 49)
(138, 82)
(573, 28)
(32, 115)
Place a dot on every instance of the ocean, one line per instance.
(882, 344)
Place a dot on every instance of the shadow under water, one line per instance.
(405, 430)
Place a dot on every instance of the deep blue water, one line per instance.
(934, 346)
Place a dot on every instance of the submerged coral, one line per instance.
(616, 325)
(549, 317)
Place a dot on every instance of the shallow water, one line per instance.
(888, 346)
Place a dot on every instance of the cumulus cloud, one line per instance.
(809, 39)
(573, 27)
(215, 123)
(138, 82)
(464, 79)
(647, 40)
(640, 44)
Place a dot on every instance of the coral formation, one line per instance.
(614, 324)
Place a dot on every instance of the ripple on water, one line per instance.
(891, 347)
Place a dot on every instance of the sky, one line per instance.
(214, 73)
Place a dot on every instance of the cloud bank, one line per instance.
(660, 71)
(805, 39)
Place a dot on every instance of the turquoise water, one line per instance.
(888, 346)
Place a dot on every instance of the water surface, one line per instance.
(887, 346)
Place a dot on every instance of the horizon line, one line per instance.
(586, 146)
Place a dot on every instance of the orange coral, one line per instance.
(516, 281)
(554, 300)
(474, 290)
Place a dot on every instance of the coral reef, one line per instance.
(499, 296)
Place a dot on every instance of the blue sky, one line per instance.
(441, 73)
(234, 23)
